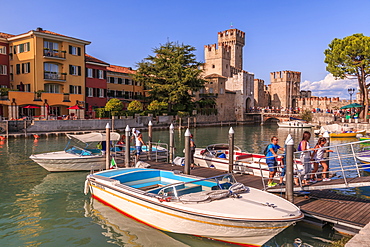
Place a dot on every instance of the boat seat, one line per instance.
(224, 186)
(142, 185)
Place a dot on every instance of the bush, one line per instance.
(306, 115)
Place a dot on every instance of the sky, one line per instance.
(280, 35)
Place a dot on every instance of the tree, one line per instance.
(171, 74)
(306, 115)
(135, 106)
(157, 107)
(350, 58)
(114, 106)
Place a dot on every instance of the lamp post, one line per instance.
(351, 91)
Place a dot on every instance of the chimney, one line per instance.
(39, 29)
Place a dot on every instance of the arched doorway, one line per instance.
(248, 105)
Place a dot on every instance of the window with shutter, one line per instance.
(71, 89)
(70, 49)
(18, 69)
(22, 68)
(79, 51)
(79, 90)
(79, 70)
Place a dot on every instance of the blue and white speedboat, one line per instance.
(218, 207)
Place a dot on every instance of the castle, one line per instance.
(227, 82)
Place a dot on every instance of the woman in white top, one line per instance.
(318, 156)
(305, 158)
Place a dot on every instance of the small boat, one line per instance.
(80, 154)
(347, 134)
(295, 124)
(364, 158)
(218, 207)
(362, 138)
(217, 156)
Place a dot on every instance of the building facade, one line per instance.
(47, 75)
(120, 85)
(96, 85)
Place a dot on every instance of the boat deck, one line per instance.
(347, 213)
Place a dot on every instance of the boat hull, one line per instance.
(63, 162)
(347, 135)
(157, 215)
(294, 125)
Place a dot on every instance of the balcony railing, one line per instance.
(54, 76)
(54, 53)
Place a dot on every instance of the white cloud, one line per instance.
(330, 87)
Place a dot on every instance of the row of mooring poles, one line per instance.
(289, 142)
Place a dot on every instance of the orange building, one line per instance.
(47, 75)
(120, 85)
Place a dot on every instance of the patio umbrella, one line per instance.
(30, 107)
(353, 105)
(75, 107)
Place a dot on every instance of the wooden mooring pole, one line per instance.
(107, 146)
(127, 146)
(171, 143)
(289, 142)
(231, 149)
(187, 152)
(150, 134)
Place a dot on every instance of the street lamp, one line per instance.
(351, 91)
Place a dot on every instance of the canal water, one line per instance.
(38, 208)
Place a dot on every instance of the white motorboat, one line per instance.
(217, 156)
(295, 124)
(74, 157)
(218, 207)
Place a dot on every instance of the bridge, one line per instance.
(264, 117)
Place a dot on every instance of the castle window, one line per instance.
(227, 66)
(210, 90)
(213, 66)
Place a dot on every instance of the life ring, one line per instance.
(36, 136)
(2, 137)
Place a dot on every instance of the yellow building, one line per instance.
(120, 85)
(47, 75)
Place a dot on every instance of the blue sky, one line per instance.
(280, 35)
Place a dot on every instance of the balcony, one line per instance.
(57, 54)
(54, 76)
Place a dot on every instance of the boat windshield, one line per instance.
(83, 152)
(222, 182)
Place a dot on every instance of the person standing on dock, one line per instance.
(305, 158)
(192, 151)
(138, 142)
(318, 157)
(271, 161)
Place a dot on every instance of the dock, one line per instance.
(347, 214)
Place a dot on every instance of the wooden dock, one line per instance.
(347, 214)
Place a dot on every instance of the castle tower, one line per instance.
(235, 39)
(285, 88)
(217, 60)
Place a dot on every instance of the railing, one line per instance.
(54, 53)
(54, 76)
(344, 162)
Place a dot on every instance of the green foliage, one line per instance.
(306, 115)
(350, 58)
(101, 113)
(182, 114)
(135, 106)
(114, 106)
(4, 91)
(171, 74)
(157, 107)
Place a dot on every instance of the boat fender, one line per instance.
(164, 199)
(87, 185)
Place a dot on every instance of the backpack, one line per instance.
(266, 150)
(299, 147)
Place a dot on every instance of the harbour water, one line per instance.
(38, 208)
